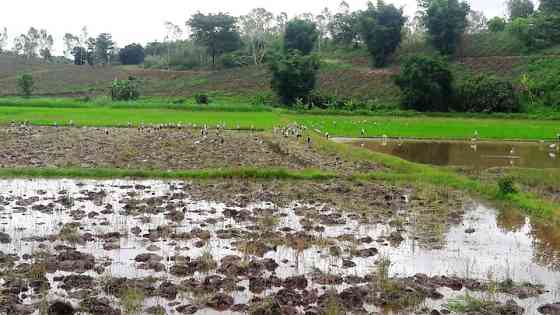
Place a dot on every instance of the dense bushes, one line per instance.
(538, 31)
(125, 90)
(485, 94)
(425, 83)
(132, 54)
(25, 85)
(294, 76)
(541, 83)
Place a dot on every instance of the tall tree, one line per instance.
(45, 44)
(104, 46)
(70, 42)
(19, 43)
(519, 8)
(381, 28)
(300, 35)
(173, 33)
(217, 32)
(257, 28)
(3, 39)
(445, 21)
(343, 28)
(476, 22)
(30, 42)
(90, 51)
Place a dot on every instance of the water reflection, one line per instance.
(467, 153)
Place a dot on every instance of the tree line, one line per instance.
(248, 39)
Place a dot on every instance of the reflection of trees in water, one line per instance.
(546, 238)
(424, 152)
(510, 220)
(546, 242)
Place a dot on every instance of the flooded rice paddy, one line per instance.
(157, 247)
(479, 154)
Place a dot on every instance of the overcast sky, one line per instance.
(142, 20)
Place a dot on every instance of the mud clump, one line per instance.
(61, 308)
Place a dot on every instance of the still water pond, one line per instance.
(480, 154)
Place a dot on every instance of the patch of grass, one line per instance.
(132, 300)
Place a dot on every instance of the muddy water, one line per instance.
(503, 245)
(478, 154)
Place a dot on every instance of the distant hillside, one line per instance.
(348, 78)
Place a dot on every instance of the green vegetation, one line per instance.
(25, 85)
(381, 27)
(426, 84)
(445, 21)
(118, 114)
(294, 76)
(125, 90)
(487, 94)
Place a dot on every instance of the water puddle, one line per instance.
(480, 245)
(479, 154)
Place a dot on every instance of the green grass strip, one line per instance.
(104, 173)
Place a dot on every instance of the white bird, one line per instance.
(512, 151)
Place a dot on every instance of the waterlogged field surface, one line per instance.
(479, 154)
(156, 247)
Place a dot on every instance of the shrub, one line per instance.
(235, 60)
(125, 90)
(506, 185)
(202, 99)
(425, 83)
(294, 76)
(541, 83)
(497, 24)
(25, 85)
(485, 93)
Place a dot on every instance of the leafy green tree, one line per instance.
(104, 45)
(426, 83)
(519, 9)
(217, 32)
(381, 28)
(445, 21)
(300, 35)
(25, 85)
(497, 24)
(344, 29)
(550, 6)
(294, 75)
(132, 54)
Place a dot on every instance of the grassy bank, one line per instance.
(418, 174)
(119, 114)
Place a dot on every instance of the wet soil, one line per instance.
(274, 247)
(158, 148)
